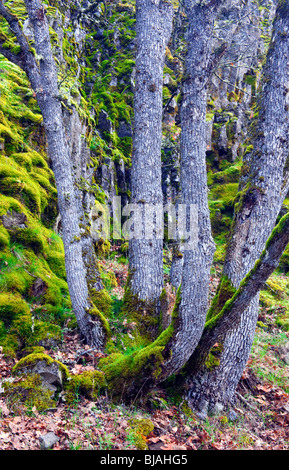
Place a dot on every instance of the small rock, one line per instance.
(50, 372)
(218, 408)
(48, 440)
(232, 415)
(104, 123)
(14, 219)
(124, 130)
(284, 352)
(38, 288)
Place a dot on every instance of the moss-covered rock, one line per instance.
(28, 392)
(53, 374)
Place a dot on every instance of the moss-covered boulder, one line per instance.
(28, 392)
(52, 373)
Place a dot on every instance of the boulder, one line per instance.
(14, 219)
(104, 123)
(48, 440)
(51, 372)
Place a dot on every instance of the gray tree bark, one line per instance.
(153, 27)
(198, 260)
(262, 191)
(230, 315)
(41, 72)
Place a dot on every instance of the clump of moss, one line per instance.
(30, 237)
(212, 362)
(138, 369)
(28, 391)
(283, 323)
(44, 333)
(16, 321)
(12, 307)
(4, 238)
(274, 288)
(142, 312)
(139, 429)
(102, 248)
(88, 384)
(102, 301)
(225, 291)
(56, 263)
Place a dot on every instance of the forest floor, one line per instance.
(260, 421)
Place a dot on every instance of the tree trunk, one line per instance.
(153, 26)
(258, 203)
(198, 259)
(42, 74)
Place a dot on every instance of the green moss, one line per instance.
(44, 333)
(275, 288)
(12, 307)
(17, 280)
(32, 359)
(56, 262)
(224, 292)
(138, 429)
(15, 181)
(123, 373)
(267, 300)
(29, 237)
(135, 371)
(4, 238)
(186, 410)
(283, 323)
(28, 392)
(10, 345)
(142, 312)
(102, 248)
(88, 384)
(212, 362)
(101, 300)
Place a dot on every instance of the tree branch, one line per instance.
(229, 317)
(25, 59)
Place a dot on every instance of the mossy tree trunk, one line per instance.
(131, 376)
(197, 259)
(41, 71)
(262, 190)
(230, 316)
(153, 28)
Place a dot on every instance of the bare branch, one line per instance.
(232, 84)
